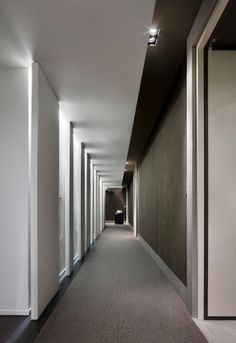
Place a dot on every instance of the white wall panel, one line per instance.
(91, 204)
(222, 184)
(64, 131)
(77, 198)
(82, 199)
(44, 192)
(95, 203)
(98, 207)
(14, 251)
(87, 201)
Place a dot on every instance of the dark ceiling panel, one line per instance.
(127, 178)
(174, 18)
(224, 35)
(128, 174)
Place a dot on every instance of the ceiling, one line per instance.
(224, 35)
(93, 54)
(174, 19)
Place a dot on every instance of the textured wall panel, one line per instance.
(162, 184)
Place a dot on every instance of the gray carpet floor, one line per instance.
(120, 295)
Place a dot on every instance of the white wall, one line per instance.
(87, 201)
(94, 203)
(77, 197)
(71, 252)
(44, 190)
(127, 205)
(222, 184)
(14, 252)
(76, 214)
(98, 208)
(82, 199)
(102, 205)
(69, 195)
(91, 204)
(63, 174)
(204, 24)
(135, 200)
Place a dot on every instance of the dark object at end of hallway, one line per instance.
(119, 217)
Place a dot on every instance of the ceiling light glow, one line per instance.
(153, 36)
(151, 40)
(153, 31)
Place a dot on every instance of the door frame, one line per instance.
(208, 16)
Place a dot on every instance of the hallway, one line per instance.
(118, 171)
(120, 295)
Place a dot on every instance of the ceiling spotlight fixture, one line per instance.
(153, 36)
(151, 40)
(153, 31)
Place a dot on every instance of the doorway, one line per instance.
(220, 169)
(115, 202)
(216, 192)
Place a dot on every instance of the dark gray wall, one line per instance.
(115, 200)
(162, 184)
(175, 19)
(130, 204)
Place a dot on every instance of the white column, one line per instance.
(98, 206)
(135, 199)
(85, 201)
(44, 192)
(127, 205)
(14, 202)
(91, 204)
(95, 203)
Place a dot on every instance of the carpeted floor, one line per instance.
(120, 295)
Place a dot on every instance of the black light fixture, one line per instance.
(153, 36)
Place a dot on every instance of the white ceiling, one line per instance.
(92, 52)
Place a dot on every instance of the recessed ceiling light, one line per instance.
(153, 36)
(153, 31)
(151, 40)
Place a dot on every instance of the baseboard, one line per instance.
(178, 285)
(15, 312)
(62, 275)
(97, 237)
(75, 259)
